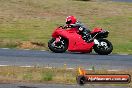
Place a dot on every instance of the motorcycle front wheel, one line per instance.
(58, 47)
(104, 48)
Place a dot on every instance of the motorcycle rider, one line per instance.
(72, 22)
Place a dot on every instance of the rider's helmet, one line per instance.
(71, 20)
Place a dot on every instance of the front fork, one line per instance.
(57, 39)
(58, 43)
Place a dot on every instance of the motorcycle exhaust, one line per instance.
(96, 42)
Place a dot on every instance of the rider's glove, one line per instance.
(80, 29)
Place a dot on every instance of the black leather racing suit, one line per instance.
(83, 31)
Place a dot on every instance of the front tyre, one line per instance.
(58, 47)
(105, 47)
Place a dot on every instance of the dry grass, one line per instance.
(36, 74)
(39, 74)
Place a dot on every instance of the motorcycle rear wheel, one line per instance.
(105, 48)
(60, 48)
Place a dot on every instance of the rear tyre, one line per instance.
(104, 48)
(59, 47)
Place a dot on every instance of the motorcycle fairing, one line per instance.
(76, 43)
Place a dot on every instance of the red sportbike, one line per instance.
(64, 38)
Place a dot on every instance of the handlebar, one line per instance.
(64, 27)
(60, 27)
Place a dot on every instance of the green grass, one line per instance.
(47, 76)
(34, 21)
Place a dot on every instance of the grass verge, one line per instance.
(37, 74)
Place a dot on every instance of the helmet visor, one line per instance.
(68, 22)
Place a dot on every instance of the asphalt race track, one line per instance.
(72, 60)
(122, 0)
